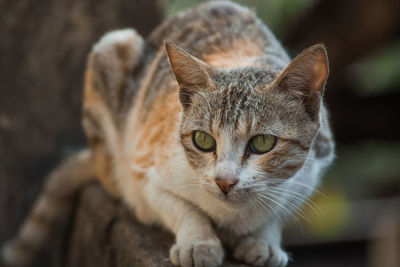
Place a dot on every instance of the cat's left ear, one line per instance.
(305, 77)
(190, 72)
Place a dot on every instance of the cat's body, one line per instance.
(140, 124)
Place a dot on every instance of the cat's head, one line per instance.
(244, 127)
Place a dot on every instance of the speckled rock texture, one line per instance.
(103, 234)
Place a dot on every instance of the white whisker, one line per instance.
(295, 208)
(280, 181)
(305, 200)
(290, 213)
(269, 208)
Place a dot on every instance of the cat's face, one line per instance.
(242, 128)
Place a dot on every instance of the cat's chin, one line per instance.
(235, 201)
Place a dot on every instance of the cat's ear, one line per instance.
(305, 77)
(190, 72)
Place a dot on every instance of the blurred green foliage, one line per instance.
(380, 72)
(330, 214)
(366, 169)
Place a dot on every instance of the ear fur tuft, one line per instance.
(307, 73)
(305, 77)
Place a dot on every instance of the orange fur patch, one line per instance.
(90, 96)
(157, 132)
(102, 157)
(242, 53)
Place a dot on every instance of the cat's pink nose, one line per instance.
(226, 184)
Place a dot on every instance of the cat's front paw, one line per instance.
(259, 253)
(197, 253)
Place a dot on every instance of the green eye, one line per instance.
(262, 143)
(204, 141)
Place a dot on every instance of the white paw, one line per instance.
(198, 253)
(260, 253)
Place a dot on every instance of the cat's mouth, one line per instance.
(237, 198)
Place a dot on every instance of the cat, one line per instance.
(206, 128)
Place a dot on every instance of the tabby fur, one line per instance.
(215, 68)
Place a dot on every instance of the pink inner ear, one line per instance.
(320, 69)
(320, 75)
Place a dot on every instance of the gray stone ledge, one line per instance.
(104, 234)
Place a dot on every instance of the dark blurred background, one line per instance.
(355, 218)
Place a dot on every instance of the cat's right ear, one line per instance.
(191, 73)
(305, 78)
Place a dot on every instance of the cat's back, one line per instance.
(217, 27)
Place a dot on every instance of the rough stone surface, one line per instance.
(105, 234)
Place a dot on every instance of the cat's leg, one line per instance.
(111, 64)
(196, 241)
(262, 248)
(108, 81)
